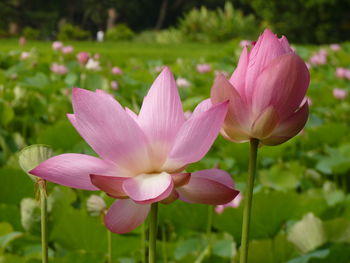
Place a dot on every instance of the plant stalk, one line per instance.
(153, 233)
(43, 203)
(109, 246)
(248, 198)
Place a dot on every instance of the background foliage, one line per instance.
(309, 21)
(301, 211)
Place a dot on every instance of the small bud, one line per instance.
(32, 156)
(95, 205)
(30, 215)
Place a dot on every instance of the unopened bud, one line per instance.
(95, 205)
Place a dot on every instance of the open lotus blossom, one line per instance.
(57, 45)
(340, 94)
(203, 68)
(67, 49)
(183, 83)
(83, 57)
(116, 71)
(335, 47)
(266, 93)
(245, 43)
(142, 157)
(58, 69)
(93, 65)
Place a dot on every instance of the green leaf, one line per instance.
(319, 254)
(308, 233)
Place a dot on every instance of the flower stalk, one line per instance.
(153, 233)
(248, 198)
(43, 204)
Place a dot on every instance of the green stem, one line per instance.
(143, 243)
(248, 198)
(164, 248)
(109, 246)
(153, 234)
(43, 202)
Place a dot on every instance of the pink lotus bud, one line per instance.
(67, 49)
(340, 94)
(335, 47)
(83, 57)
(58, 69)
(96, 205)
(203, 68)
(182, 82)
(245, 43)
(22, 41)
(114, 85)
(265, 93)
(57, 45)
(25, 55)
(116, 71)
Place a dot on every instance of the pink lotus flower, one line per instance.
(67, 49)
(83, 57)
(22, 41)
(245, 43)
(183, 83)
(58, 69)
(57, 45)
(93, 65)
(116, 71)
(114, 85)
(335, 47)
(142, 157)
(342, 73)
(340, 94)
(219, 209)
(203, 68)
(266, 92)
(25, 55)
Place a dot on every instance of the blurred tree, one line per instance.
(306, 21)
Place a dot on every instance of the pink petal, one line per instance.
(265, 123)
(283, 85)
(290, 127)
(239, 75)
(148, 188)
(214, 191)
(217, 175)
(110, 131)
(131, 113)
(109, 184)
(196, 137)
(181, 179)
(285, 44)
(161, 115)
(73, 170)
(125, 215)
(202, 107)
(266, 49)
(238, 119)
